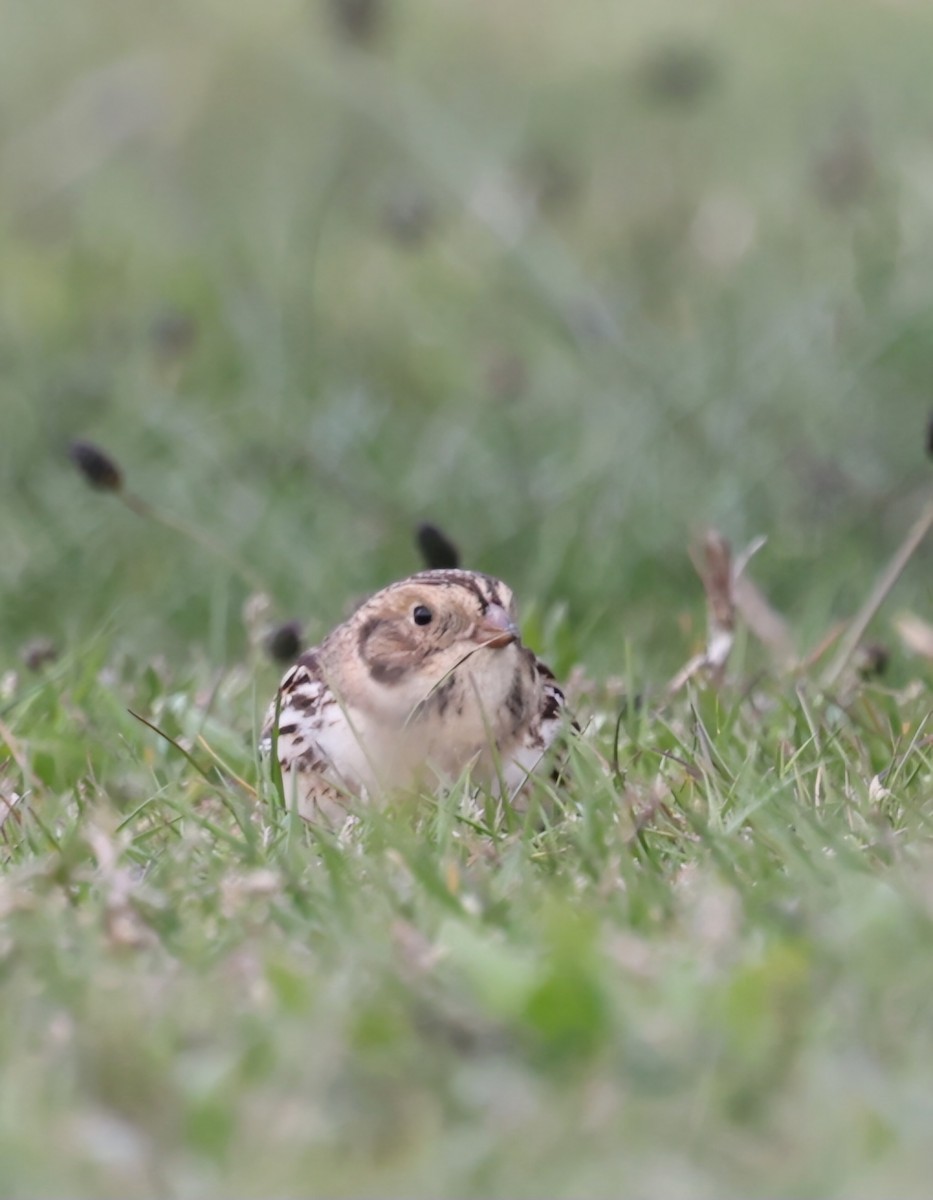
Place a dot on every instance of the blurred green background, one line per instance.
(571, 280)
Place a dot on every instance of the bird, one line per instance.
(425, 682)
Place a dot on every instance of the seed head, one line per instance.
(872, 660)
(358, 21)
(97, 467)
(38, 652)
(437, 550)
(284, 642)
(678, 72)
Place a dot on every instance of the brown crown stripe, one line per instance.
(468, 581)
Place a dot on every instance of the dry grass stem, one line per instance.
(713, 562)
(879, 593)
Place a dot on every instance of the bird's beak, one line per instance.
(496, 628)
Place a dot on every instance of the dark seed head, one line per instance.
(678, 72)
(39, 652)
(631, 704)
(284, 642)
(359, 21)
(437, 550)
(97, 467)
(872, 660)
(930, 437)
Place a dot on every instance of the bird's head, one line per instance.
(413, 634)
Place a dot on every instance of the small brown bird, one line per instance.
(426, 680)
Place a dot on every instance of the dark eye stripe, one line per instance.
(366, 633)
(388, 672)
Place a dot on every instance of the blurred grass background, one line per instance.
(571, 280)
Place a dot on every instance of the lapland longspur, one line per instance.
(427, 679)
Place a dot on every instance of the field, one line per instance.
(578, 283)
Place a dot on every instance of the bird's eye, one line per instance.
(422, 615)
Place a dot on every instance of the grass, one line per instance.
(574, 284)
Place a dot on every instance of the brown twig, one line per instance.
(879, 593)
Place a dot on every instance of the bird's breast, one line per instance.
(470, 717)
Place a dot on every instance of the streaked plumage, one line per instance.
(426, 680)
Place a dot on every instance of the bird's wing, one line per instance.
(318, 749)
(295, 716)
(540, 735)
